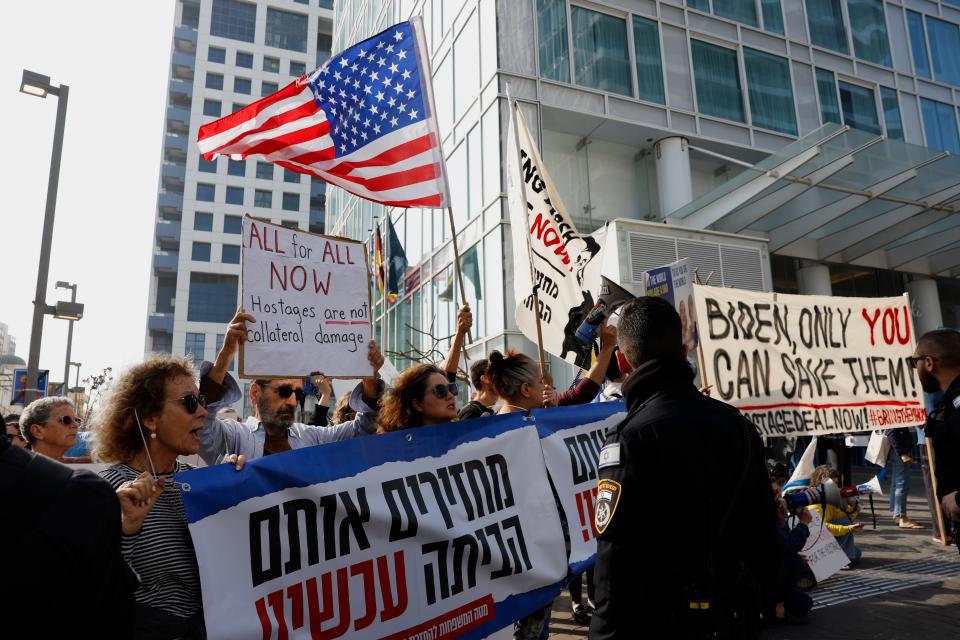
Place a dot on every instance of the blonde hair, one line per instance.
(139, 392)
(821, 474)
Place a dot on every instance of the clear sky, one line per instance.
(114, 55)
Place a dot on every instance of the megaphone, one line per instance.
(828, 493)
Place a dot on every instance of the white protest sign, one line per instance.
(807, 365)
(311, 298)
(823, 554)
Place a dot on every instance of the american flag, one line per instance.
(363, 121)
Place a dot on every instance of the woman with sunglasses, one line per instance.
(421, 396)
(154, 414)
(49, 426)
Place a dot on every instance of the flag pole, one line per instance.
(385, 248)
(533, 276)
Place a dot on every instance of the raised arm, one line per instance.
(464, 323)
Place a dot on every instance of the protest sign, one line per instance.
(571, 440)
(674, 283)
(311, 298)
(20, 385)
(823, 554)
(807, 365)
(431, 533)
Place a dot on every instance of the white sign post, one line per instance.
(310, 296)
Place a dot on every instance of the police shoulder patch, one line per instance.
(608, 495)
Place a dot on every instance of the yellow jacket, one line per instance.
(834, 514)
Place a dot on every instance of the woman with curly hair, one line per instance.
(421, 396)
(154, 414)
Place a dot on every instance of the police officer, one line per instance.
(937, 361)
(667, 475)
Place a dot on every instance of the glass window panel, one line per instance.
(859, 107)
(194, 346)
(825, 20)
(206, 166)
(286, 30)
(230, 255)
(291, 202)
(213, 297)
(237, 168)
(201, 252)
(744, 11)
(770, 91)
(772, 15)
(234, 19)
(234, 195)
(552, 33)
(232, 224)
(268, 88)
(241, 85)
(600, 53)
(245, 59)
(701, 5)
(237, 106)
(829, 103)
(214, 81)
(717, 81)
(868, 28)
(474, 172)
(271, 64)
(216, 54)
(265, 170)
(297, 69)
(202, 221)
(467, 61)
(263, 199)
(918, 44)
(166, 293)
(491, 153)
(944, 50)
(493, 271)
(646, 46)
(205, 192)
(891, 113)
(457, 169)
(291, 176)
(212, 108)
(940, 125)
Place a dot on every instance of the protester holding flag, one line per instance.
(421, 396)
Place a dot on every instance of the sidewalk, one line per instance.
(869, 601)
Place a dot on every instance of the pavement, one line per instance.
(906, 586)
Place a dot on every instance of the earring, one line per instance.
(153, 435)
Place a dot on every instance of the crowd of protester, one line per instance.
(163, 410)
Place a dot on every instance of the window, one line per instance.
(214, 81)
(201, 252)
(770, 91)
(918, 44)
(220, 338)
(162, 343)
(600, 51)
(234, 195)
(744, 11)
(944, 50)
(232, 224)
(868, 29)
(825, 20)
(268, 88)
(291, 202)
(940, 125)
(891, 113)
(233, 19)
(324, 44)
(237, 106)
(205, 192)
(263, 199)
(212, 108)
(166, 293)
(206, 166)
(552, 32)
(291, 176)
(271, 64)
(646, 45)
(195, 346)
(213, 297)
(241, 85)
(216, 54)
(859, 107)
(829, 103)
(244, 60)
(230, 254)
(190, 16)
(290, 224)
(717, 80)
(202, 221)
(265, 170)
(297, 69)
(237, 168)
(286, 30)
(772, 15)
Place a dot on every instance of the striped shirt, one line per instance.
(162, 552)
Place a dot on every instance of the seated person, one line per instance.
(793, 568)
(840, 522)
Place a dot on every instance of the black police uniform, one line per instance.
(943, 427)
(666, 477)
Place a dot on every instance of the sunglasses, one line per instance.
(67, 421)
(286, 390)
(442, 390)
(913, 361)
(191, 402)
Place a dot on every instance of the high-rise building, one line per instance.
(789, 145)
(225, 54)
(8, 344)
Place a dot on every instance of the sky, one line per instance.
(114, 55)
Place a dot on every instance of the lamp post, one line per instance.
(77, 382)
(66, 363)
(35, 84)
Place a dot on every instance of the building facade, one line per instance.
(225, 54)
(8, 343)
(653, 111)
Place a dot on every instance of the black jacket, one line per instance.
(668, 472)
(943, 426)
(901, 440)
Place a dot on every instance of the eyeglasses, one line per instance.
(68, 420)
(913, 361)
(286, 390)
(191, 402)
(442, 390)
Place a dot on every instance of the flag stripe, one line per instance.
(279, 142)
(292, 120)
(396, 179)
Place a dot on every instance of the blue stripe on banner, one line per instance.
(551, 420)
(213, 489)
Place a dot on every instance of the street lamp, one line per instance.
(38, 85)
(70, 320)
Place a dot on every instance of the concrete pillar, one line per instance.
(674, 183)
(925, 300)
(814, 280)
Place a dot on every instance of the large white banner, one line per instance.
(807, 365)
(310, 295)
(566, 265)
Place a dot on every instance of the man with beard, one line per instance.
(271, 429)
(937, 361)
